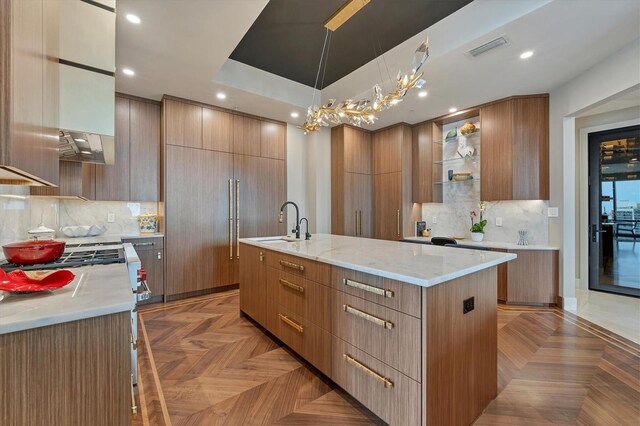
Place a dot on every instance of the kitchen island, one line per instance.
(65, 355)
(409, 330)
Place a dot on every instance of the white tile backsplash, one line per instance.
(79, 212)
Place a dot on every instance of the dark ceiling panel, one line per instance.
(287, 37)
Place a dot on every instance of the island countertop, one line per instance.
(96, 290)
(419, 264)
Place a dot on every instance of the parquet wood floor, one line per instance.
(201, 363)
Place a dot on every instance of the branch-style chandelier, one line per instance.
(364, 111)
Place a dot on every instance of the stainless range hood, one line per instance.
(86, 147)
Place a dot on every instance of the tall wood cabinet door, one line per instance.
(387, 202)
(387, 150)
(144, 132)
(357, 205)
(217, 130)
(496, 167)
(182, 123)
(198, 247)
(246, 135)
(112, 180)
(351, 205)
(357, 151)
(272, 140)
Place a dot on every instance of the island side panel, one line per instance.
(76, 372)
(460, 372)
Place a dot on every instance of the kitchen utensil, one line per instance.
(523, 237)
(35, 251)
(148, 223)
(21, 282)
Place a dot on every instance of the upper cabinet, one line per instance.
(357, 151)
(515, 149)
(196, 125)
(87, 66)
(426, 168)
(29, 94)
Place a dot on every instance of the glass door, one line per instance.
(614, 211)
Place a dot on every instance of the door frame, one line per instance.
(594, 193)
(582, 227)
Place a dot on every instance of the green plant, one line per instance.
(478, 227)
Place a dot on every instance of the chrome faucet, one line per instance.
(281, 217)
(307, 235)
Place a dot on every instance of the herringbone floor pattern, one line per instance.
(203, 364)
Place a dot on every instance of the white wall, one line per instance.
(618, 72)
(309, 177)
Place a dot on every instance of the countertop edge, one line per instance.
(488, 244)
(399, 277)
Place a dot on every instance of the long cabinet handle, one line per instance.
(143, 244)
(369, 288)
(351, 360)
(292, 265)
(360, 228)
(366, 316)
(292, 285)
(291, 323)
(356, 212)
(237, 219)
(230, 219)
(398, 219)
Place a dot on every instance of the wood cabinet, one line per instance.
(394, 213)
(112, 180)
(351, 182)
(531, 279)
(515, 149)
(425, 172)
(29, 95)
(241, 198)
(76, 180)
(144, 150)
(185, 126)
(150, 251)
(410, 354)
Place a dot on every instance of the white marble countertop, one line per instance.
(108, 238)
(96, 290)
(419, 264)
(488, 244)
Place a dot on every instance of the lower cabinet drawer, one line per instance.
(308, 340)
(390, 336)
(391, 395)
(306, 268)
(303, 297)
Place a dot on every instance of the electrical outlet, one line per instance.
(111, 217)
(468, 305)
(552, 212)
(434, 219)
(498, 221)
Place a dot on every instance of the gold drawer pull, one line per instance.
(361, 314)
(292, 265)
(367, 287)
(292, 285)
(291, 323)
(351, 360)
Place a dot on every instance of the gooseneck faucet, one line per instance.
(281, 217)
(307, 235)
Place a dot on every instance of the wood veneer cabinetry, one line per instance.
(217, 188)
(78, 373)
(410, 354)
(532, 278)
(29, 94)
(150, 251)
(393, 210)
(351, 182)
(425, 172)
(515, 149)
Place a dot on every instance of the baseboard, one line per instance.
(568, 303)
(201, 292)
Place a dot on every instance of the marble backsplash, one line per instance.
(19, 212)
(453, 219)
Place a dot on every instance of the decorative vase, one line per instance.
(477, 236)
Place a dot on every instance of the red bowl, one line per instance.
(30, 252)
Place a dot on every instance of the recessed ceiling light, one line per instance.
(133, 18)
(423, 94)
(128, 71)
(294, 115)
(453, 109)
(221, 95)
(79, 140)
(85, 152)
(526, 55)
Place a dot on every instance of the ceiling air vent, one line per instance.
(488, 46)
